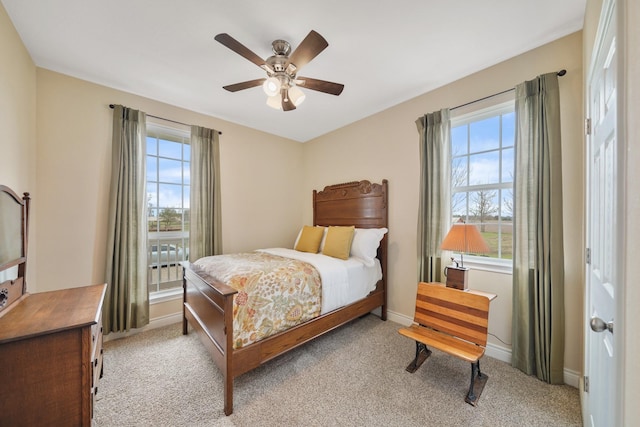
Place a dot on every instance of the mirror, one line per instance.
(10, 229)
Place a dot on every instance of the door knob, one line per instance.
(599, 325)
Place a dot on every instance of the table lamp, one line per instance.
(463, 238)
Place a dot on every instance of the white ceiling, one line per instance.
(384, 52)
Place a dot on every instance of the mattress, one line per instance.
(279, 288)
(343, 281)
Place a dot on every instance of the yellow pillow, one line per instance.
(338, 242)
(309, 240)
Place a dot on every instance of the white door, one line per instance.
(602, 212)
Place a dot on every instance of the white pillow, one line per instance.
(365, 244)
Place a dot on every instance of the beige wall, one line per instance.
(385, 145)
(18, 122)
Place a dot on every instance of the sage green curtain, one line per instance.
(538, 265)
(205, 233)
(126, 303)
(434, 211)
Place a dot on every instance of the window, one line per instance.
(482, 172)
(168, 155)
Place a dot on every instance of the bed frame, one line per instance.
(208, 303)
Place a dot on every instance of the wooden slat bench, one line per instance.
(454, 322)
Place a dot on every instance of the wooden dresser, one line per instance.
(51, 357)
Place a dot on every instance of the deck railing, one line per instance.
(165, 252)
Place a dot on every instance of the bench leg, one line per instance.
(422, 353)
(477, 384)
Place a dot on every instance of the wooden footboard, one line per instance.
(208, 308)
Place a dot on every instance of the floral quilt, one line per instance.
(274, 292)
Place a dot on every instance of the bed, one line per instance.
(209, 303)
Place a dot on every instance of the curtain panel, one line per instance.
(434, 211)
(205, 233)
(126, 303)
(538, 266)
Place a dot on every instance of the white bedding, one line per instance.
(343, 281)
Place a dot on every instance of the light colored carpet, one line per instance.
(353, 376)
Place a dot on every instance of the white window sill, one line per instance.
(164, 296)
(489, 264)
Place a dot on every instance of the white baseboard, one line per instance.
(494, 351)
(498, 352)
(571, 378)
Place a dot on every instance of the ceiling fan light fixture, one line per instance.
(271, 86)
(282, 68)
(296, 95)
(275, 101)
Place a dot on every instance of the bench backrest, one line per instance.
(455, 312)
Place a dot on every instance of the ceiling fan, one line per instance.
(282, 81)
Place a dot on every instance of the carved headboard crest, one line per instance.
(355, 188)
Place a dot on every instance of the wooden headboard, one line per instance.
(358, 203)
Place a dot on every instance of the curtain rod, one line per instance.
(168, 120)
(560, 74)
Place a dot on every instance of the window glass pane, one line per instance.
(459, 206)
(187, 173)
(508, 129)
(152, 194)
(507, 205)
(170, 196)
(484, 134)
(170, 149)
(170, 171)
(152, 145)
(186, 152)
(169, 219)
(186, 193)
(484, 168)
(459, 140)
(507, 165)
(152, 219)
(492, 238)
(152, 169)
(483, 207)
(459, 176)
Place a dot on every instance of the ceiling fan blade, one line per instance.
(241, 50)
(244, 85)
(308, 49)
(287, 104)
(320, 85)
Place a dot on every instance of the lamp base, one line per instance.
(456, 277)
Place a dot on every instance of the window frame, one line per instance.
(182, 135)
(483, 110)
